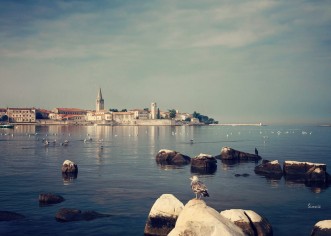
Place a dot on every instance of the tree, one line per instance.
(188, 119)
(4, 118)
(172, 113)
(113, 110)
(146, 109)
(124, 110)
(158, 116)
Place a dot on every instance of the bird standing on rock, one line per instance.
(198, 187)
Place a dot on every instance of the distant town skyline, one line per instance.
(235, 61)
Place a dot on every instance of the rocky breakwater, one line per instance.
(171, 157)
(269, 169)
(230, 154)
(163, 215)
(249, 221)
(306, 172)
(203, 164)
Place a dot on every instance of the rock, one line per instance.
(303, 171)
(199, 219)
(170, 157)
(203, 164)
(50, 198)
(250, 222)
(9, 216)
(271, 169)
(322, 228)
(316, 175)
(69, 167)
(231, 154)
(71, 214)
(163, 215)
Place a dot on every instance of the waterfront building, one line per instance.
(64, 113)
(123, 117)
(3, 112)
(140, 114)
(21, 115)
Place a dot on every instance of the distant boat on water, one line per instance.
(6, 126)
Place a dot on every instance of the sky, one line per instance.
(236, 61)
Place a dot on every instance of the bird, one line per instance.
(198, 187)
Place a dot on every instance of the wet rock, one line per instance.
(322, 228)
(199, 219)
(203, 164)
(270, 169)
(163, 215)
(9, 216)
(71, 214)
(249, 221)
(170, 157)
(50, 198)
(304, 171)
(69, 167)
(230, 154)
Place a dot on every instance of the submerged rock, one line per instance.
(69, 167)
(50, 198)
(322, 228)
(270, 169)
(71, 214)
(9, 216)
(170, 157)
(199, 219)
(249, 221)
(230, 154)
(163, 215)
(204, 163)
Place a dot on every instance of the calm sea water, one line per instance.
(124, 180)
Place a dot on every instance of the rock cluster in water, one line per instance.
(50, 198)
(196, 218)
(322, 228)
(171, 157)
(230, 154)
(310, 173)
(10, 216)
(71, 214)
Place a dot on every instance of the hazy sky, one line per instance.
(236, 61)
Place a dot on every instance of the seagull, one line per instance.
(198, 187)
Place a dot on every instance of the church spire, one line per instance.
(100, 102)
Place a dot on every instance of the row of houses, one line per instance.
(76, 115)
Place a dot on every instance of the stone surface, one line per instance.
(271, 169)
(71, 214)
(9, 216)
(170, 157)
(322, 228)
(163, 215)
(249, 221)
(305, 171)
(50, 198)
(203, 163)
(230, 154)
(69, 167)
(199, 219)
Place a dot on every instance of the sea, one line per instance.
(118, 175)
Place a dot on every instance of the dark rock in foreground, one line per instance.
(322, 228)
(170, 157)
(9, 216)
(270, 169)
(71, 214)
(231, 154)
(249, 221)
(203, 164)
(50, 198)
(163, 215)
(69, 167)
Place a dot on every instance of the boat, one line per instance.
(6, 126)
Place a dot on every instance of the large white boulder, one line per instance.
(249, 221)
(163, 215)
(198, 219)
(322, 228)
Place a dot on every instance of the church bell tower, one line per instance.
(100, 102)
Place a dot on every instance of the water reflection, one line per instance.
(204, 171)
(69, 177)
